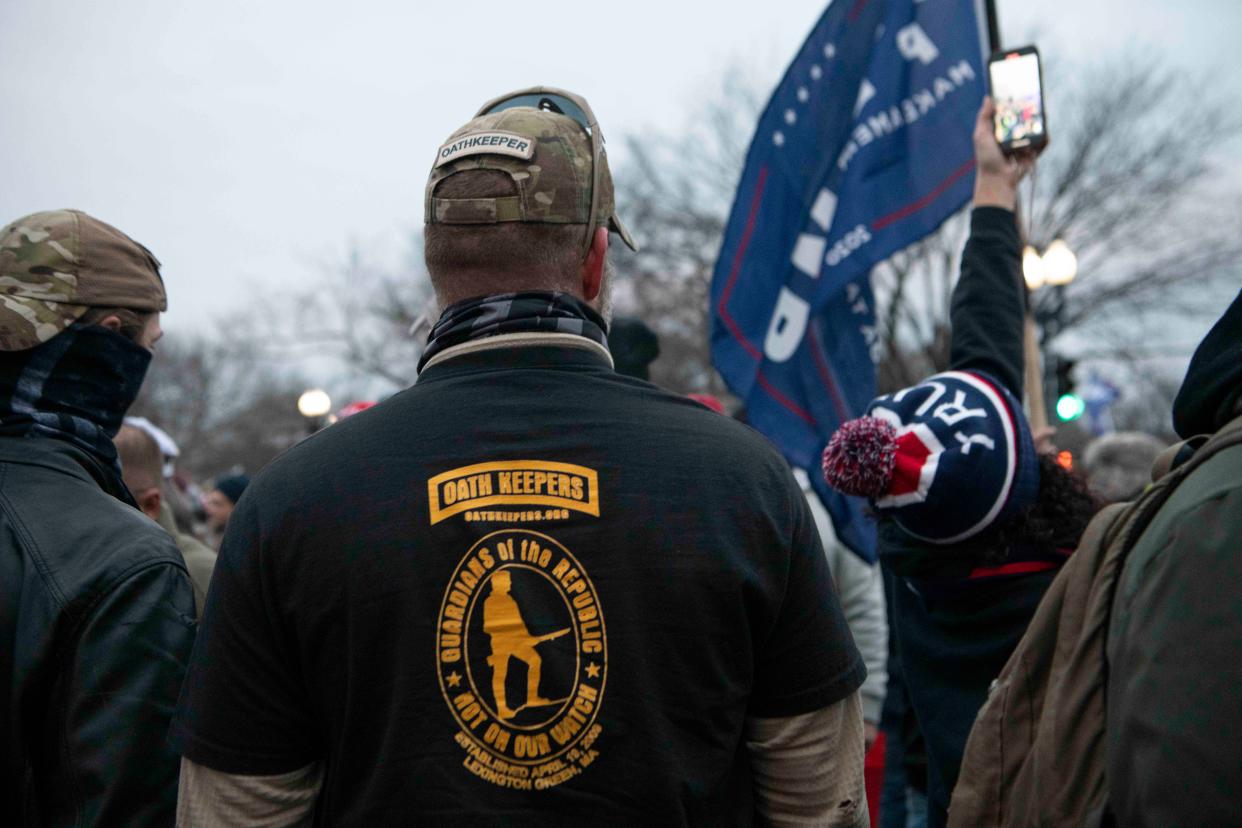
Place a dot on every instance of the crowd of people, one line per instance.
(535, 588)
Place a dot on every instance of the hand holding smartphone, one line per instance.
(1019, 121)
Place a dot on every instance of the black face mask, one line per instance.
(76, 387)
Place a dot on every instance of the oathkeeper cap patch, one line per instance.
(491, 143)
(548, 157)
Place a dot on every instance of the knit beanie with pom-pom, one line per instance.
(946, 458)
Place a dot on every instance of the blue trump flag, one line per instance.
(864, 148)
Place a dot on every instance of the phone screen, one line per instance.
(1018, 98)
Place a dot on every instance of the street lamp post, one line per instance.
(1056, 268)
(314, 405)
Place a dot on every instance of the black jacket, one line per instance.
(97, 623)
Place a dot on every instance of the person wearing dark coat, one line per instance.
(96, 607)
(634, 347)
(973, 521)
(1174, 637)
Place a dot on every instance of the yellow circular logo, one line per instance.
(521, 653)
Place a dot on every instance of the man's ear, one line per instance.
(112, 323)
(593, 264)
(149, 502)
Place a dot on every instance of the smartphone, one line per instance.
(1018, 95)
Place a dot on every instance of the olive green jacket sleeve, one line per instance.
(1174, 670)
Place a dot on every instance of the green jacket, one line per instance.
(1173, 647)
(1176, 628)
(200, 559)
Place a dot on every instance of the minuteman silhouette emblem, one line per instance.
(522, 656)
(502, 621)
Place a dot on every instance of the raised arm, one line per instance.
(989, 302)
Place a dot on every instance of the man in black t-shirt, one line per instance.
(526, 590)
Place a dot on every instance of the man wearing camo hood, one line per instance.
(528, 590)
(97, 609)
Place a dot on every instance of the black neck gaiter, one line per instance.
(505, 313)
(75, 387)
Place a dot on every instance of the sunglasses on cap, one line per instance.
(571, 106)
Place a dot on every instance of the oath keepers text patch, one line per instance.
(545, 490)
(522, 658)
(493, 143)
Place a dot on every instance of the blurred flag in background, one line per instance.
(864, 148)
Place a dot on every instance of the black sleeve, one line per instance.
(989, 304)
(127, 667)
(808, 660)
(243, 709)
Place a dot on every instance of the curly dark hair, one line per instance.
(1057, 519)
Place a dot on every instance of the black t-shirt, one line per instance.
(526, 590)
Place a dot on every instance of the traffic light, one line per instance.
(1069, 406)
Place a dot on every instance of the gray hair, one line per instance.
(1118, 466)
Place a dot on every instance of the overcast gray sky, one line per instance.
(247, 142)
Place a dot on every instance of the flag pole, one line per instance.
(1037, 414)
(989, 8)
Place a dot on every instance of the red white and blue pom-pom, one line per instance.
(860, 457)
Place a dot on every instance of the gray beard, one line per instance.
(604, 300)
(602, 303)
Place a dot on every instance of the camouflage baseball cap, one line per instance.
(548, 155)
(56, 264)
